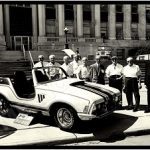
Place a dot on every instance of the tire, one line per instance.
(65, 118)
(4, 107)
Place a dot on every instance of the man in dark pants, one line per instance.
(132, 83)
(97, 71)
(114, 74)
(147, 83)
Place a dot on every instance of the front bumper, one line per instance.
(87, 117)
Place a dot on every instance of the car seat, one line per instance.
(20, 83)
(40, 76)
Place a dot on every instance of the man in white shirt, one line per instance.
(114, 74)
(67, 67)
(41, 63)
(53, 71)
(75, 64)
(83, 70)
(132, 82)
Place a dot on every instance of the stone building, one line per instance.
(40, 27)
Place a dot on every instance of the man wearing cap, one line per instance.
(132, 83)
(75, 64)
(53, 71)
(67, 67)
(83, 70)
(41, 63)
(114, 74)
(97, 71)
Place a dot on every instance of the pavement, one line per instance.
(128, 123)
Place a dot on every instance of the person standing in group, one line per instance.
(75, 64)
(114, 75)
(41, 63)
(78, 54)
(97, 71)
(132, 83)
(147, 83)
(52, 72)
(83, 70)
(67, 67)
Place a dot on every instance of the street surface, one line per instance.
(143, 140)
(117, 129)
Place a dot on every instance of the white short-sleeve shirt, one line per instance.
(131, 71)
(114, 70)
(84, 71)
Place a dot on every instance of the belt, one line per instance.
(114, 76)
(131, 77)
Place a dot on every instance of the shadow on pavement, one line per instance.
(108, 129)
(6, 131)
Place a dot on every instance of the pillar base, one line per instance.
(112, 38)
(127, 38)
(142, 38)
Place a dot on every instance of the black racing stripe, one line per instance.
(107, 92)
(93, 90)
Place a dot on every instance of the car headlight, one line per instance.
(85, 110)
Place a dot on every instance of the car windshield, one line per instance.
(49, 74)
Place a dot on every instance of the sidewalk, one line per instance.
(38, 134)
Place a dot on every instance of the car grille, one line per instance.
(103, 108)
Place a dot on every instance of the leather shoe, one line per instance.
(129, 107)
(135, 109)
(147, 110)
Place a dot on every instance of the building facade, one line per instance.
(40, 27)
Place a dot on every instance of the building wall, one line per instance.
(84, 33)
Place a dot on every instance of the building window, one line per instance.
(134, 32)
(148, 16)
(148, 32)
(21, 5)
(104, 13)
(134, 13)
(119, 32)
(69, 13)
(104, 29)
(87, 13)
(119, 13)
(50, 11)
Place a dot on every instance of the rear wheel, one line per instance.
(4, 106)
(65, 117)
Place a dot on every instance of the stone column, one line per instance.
(41, 19)
(75, 20)
(112, 22)
(79, 21)
(1, 21)
(97, 21)
(61, 22)
(7, 26)
(34, 26)
(127, 21)
(142, 22)
(2, 37)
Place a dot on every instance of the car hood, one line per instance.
(66, 86)
(80, 89)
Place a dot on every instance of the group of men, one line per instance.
(125, 78)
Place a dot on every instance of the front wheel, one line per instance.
(4, 106)
(65, 118)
